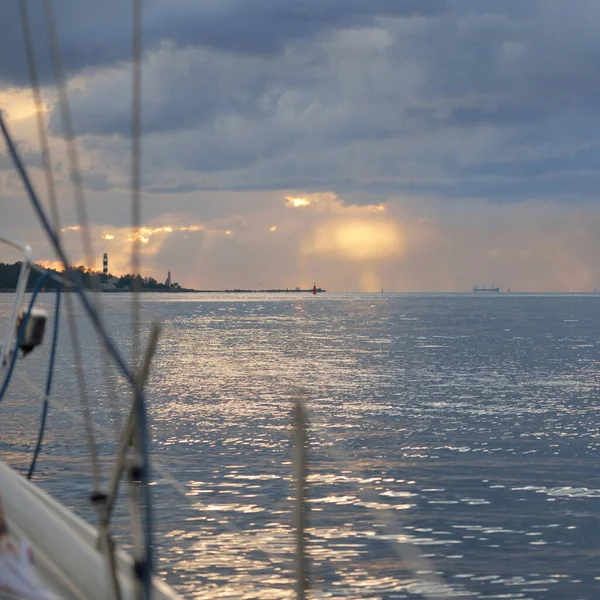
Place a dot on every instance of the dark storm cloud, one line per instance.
(458, 98)
(548, 56)
(98, 34)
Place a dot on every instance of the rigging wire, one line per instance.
(68, 131)
(144, 547)
(161, 469)
(50, 187)
(136, 149)
(83, 398)
(141, 438)
(39, 110)
(75, 170)
(75, 179)
(48, 384)
(89, 307)
(96, 320)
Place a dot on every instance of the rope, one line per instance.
(48, 385)
(20, 335)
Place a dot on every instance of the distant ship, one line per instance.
(476, 288)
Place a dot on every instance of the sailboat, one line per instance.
(46, 550)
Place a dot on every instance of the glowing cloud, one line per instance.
(192, 228)
(144, 233)
(297, 202)
(273, 228)
(330, 203)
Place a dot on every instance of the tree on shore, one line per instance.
(9, 276)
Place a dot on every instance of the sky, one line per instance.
(409, 145)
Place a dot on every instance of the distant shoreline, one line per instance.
(319, 291)
(180, 291)
(117, 291)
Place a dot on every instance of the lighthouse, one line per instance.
(105, 264)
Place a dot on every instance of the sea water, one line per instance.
(464, 426)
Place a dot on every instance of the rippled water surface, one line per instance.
(464, 427)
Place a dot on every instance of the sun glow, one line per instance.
(55, 265)
(19, 104)
(357, 239)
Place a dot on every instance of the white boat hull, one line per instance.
(65, 550)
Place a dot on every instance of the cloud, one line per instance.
(29, 158)
(442, 99)
(397, 129)
(406, 244)
(260, 28)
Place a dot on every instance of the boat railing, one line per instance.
(9, 335)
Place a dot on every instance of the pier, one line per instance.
(263, 291)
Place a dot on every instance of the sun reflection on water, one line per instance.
(482, 442)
